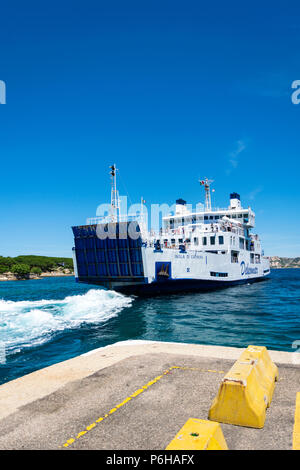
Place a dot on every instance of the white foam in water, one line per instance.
(28, 323)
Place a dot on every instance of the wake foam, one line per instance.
(29, 323)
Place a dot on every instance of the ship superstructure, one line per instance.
(201, 250)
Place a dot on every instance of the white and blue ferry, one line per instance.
(193, 251)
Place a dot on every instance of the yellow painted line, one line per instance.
(135, 394)
(197, 368)
(91, 426)
(70, 441)
(131, 397)
(296, 433)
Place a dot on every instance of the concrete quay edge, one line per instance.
(38, 384)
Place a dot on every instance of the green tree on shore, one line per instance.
(44, 263)
(36, 270)
(6, 263)
(20, 269)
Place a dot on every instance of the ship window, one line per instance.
(212, 240)
(206, 217)
(214, 274)
(221, 240)
(204, 241)
(234, 257)
(182, 221)
(217, 217)
(257, 259)
(173, 241)
(252, 258)
(242, 243)
(211, 217)
(240, 216)
(195, 241)
(180, 240)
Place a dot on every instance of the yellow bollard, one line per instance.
(246, 390)
(296, 433)
(266, 369)
(199, 434)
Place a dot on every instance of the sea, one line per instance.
(49, 320)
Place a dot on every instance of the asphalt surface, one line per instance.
(153, 417)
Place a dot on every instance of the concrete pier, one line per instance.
(136, 395)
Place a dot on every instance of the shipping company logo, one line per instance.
(247, 270)
(242, 268)
(296, 94)
(2, 92)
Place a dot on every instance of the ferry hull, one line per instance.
(173, 286)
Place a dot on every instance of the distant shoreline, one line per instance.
(285, 267)
(27, 267)
(11, 277)
(279, 262)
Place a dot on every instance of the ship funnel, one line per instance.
(235, 201)
(180, 207)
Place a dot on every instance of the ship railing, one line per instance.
(107, 219)
(190, 228)
(192, 232)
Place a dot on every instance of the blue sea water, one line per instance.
(53, 319)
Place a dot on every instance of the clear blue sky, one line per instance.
(169, 90)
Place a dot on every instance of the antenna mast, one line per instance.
(206, 183)
(115, 207)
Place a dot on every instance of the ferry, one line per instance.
(200, 250)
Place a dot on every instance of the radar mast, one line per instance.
(206, 183)
(115, 206)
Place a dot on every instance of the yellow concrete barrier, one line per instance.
(266, 369)
(199, 434)
(246, 390)
(296, 434)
